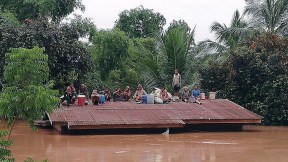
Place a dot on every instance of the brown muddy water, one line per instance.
(253, 144)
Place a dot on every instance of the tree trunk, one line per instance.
(10, 131)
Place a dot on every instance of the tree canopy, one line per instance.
(179, 24)
(270, 16)
(249, 52)
(140, 22)
(65, 52)
(26, 92)
(254, 77)
(172, 52)
(34, 9)
(111, 48)
(227, 37)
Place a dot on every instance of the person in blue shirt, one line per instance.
(196, 94)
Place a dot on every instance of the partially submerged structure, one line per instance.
(115, 115)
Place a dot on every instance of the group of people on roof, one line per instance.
(186, 95)
(161, 95)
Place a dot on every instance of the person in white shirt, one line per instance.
(176, 83)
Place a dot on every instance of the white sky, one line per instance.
(201, 13)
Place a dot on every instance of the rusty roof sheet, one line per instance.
(130, 113)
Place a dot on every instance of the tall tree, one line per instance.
(110, 49)
(255, 78)
(33, 9)
(84, 26)
(149, 62)
(66, 53)
(172, 53)
(26, 92)
(140, 22)
(176, 44)
(180, 24)
(270, 16)
(227, 38)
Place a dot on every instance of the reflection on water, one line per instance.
(256, 143)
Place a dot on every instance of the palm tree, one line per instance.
(175, 44)
(226, 37)
(270, 16)
(173, 48)
(178, 43)
(150, 67)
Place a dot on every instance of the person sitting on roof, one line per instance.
(139, 92)
(185, 94)
(164, 95)
(83, 90)
(70, 94)
(196, 94)
(127, 93)
(107, 94)
(117, 95)
(95, 97)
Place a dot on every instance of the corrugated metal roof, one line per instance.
(130, 113)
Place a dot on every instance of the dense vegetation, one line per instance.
(247, 63)
(240, 64)
(27, 92)
(254, 76)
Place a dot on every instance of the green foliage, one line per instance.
(34, 9)
(270, 16)
(227, 38)
(147, 43)
(72, 76)
(176, 44)
(61, 44)
(132, 77)
(84, 26)
(92, 80)
(110, 49)
(179, 24)
(5, 154)
(140, 22)
(26, 93)
(171, 51)
(9, 18)
(148, 65)
(254, 77)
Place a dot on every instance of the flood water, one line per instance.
(253, 144)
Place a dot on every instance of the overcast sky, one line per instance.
(201, 13)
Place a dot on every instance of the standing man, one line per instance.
(176, 84)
